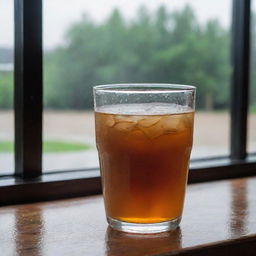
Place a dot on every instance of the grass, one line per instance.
(51, 146)
(6, 146)
(253, 109)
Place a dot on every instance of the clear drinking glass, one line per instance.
(144, 135)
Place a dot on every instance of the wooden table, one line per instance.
(219, 219)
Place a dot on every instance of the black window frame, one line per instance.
(29, 183)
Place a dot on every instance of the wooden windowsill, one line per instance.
(219, 219)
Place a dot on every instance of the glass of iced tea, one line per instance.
(144, 135)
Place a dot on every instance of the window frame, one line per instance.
(29, 183)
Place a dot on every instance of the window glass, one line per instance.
(6, 87)
(98, 42)
(252, 95)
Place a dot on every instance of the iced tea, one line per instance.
(144, 150)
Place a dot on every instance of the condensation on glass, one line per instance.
(144, 135)
(132, 42)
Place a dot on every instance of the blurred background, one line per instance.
(117, 41)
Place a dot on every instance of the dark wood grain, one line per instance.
(219, 219)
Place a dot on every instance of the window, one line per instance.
(82, 47)
(60, 180)
(252, 99)
(68, 126)
(6, 88)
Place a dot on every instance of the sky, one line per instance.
(59, 15)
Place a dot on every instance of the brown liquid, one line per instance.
(144, 164)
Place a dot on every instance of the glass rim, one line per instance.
(143, 88)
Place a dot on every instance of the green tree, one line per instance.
(154, 47)
(213, 73)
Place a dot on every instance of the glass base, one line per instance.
(144, 228)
